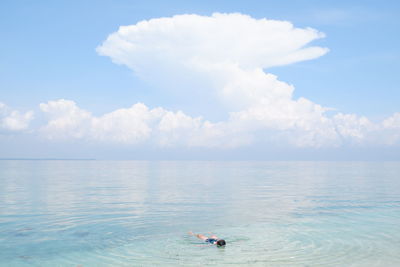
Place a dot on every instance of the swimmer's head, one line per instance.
(221, 243)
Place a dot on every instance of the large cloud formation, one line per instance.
(133, 125)
(228, 56)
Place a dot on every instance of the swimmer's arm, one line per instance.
(199, 236)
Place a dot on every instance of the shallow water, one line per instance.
(138, 213)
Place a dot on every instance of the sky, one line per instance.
(209, 80)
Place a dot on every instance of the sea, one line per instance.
(138, 213)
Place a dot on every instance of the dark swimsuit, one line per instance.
(211, 240)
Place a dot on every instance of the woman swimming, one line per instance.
(212, 239)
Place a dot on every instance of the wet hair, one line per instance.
(221, 243)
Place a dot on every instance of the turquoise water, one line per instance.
(138, 213)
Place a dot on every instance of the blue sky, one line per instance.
(48, 52)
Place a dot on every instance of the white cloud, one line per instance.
(230, 51)
(134, 125)
(14, 120)
(220, 38)
(392, 122)
(139, 124)
(391, 127)
(353, 127)
(224, 55)
(67, 120)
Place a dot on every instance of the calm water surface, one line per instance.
(132, 213)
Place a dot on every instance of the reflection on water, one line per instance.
(133, 213)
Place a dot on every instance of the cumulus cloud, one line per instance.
(224, 53)
(353, 126)
(133, 125)
(67, 120)
(217, 39)
(231, 51)
(392, 122)
(227, 56)
(140, 124)
(391, 125)
(14, 120)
